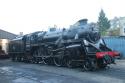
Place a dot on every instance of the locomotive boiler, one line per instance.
(80, 45)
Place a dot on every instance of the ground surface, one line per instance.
(18, 72)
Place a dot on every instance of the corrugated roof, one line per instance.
(7, 35)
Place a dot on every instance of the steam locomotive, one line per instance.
(80, 45)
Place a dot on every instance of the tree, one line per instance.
(103, 23)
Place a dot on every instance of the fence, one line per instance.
(116, 44)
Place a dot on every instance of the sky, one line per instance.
(36, 15)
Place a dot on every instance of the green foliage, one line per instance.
(114, 32)
(103, 23)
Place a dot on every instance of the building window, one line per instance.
(124, 30)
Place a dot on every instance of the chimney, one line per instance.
(21, 34)
(83, 21)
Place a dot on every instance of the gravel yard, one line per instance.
(18, 72)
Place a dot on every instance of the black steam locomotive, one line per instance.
(80, 45)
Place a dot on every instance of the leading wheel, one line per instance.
(89, 65)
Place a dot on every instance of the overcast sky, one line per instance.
(34, 15)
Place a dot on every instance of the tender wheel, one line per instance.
(22, 59)
(58, 61)
(13, 58)
(16, 58)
